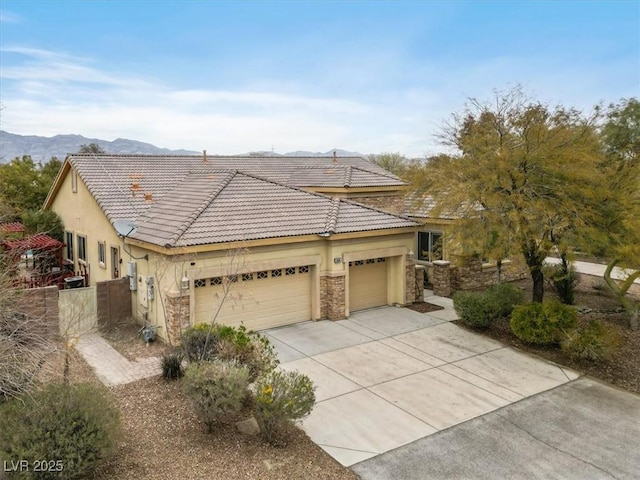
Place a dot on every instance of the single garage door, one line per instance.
(367, 283)
(258, 300)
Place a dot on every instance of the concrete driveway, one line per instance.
(388, 377)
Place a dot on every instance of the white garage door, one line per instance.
(258, 300)
(367, 283)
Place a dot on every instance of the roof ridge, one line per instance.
(198, 211)
(332, 216)
(347, 176)
(384, 173)
(369, 207)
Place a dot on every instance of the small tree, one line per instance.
(91, 148)
(523, 176)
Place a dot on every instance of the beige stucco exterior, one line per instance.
(163, 269)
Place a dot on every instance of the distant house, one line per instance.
(433, 249)
(300, 238)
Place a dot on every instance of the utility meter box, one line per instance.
(132, 274)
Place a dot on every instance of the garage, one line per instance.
(367, 283)
(258, 300)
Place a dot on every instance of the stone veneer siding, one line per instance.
(470, 274)
(410, 269)
(332, 297)
(178, 311)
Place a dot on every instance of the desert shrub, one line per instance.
(480, 309)
(247, 348)
(280, 398)
(231, 343)
(542, 323)
(475, 309)
(77, 425)
(593, 342)
(172, 366)
(563, 278)
(195, 344)
(505, 296)
(216, 390)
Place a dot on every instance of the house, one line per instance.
(259, 241)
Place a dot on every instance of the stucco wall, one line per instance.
(81, 215)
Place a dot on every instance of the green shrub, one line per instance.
(75, 424)
(216, 389)
(505, 297)
(280, 398)
(194, 340)
(250, 349)
(542, 323)
(475, 309)
(480, 309)
(231, 343)
(592, 342)
(563, 278)
(172, 366)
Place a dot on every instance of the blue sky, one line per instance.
(367, 76)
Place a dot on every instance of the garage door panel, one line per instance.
(367, 284)
(265, 299)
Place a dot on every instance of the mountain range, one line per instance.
(41, 149)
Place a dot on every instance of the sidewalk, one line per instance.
(111, 367)
(595, 269)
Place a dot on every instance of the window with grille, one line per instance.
(247, 277)
(381, 260)
(201, 282)
(68, 238)
(290, 271)
(82, 248)
(304, 269)
(213, 281)
(276, 273)
(370, 261)
(262, 275)
(102, 254)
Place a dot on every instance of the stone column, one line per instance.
(410, 279)
(178, 312)
(419, 283)
(332, 297)
(442, 278)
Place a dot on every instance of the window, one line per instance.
(430, 246)
(82, 248)
(68, 239)
(102, 254)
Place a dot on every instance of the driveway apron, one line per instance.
(389, 376)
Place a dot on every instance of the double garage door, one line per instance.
(258, 300)
(367, 283)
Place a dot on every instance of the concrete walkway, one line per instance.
(390, 376)
(594, 269)
(110, 366)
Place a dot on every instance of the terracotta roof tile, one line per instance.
(229, 198)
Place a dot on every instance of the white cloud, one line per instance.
(9, 17)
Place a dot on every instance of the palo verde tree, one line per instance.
(395, 163)
(618, 234)
(523, 176)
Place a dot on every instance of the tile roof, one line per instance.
(219, 206)
(340, 176)
(37, 242)
(192, 202)
(13, 227)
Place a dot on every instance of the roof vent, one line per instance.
(148, 197)
(135, 186)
